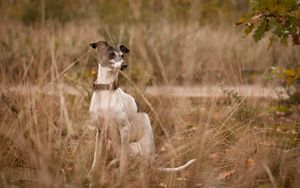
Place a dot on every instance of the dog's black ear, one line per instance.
(123, 49)
(97, 44)
(93, 45)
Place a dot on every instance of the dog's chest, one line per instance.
(104, 103)
(116, 105)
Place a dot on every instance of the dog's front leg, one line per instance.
(124, 134)
(96, 150)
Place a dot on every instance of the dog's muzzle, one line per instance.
(123, 66)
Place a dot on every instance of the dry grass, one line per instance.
(44, 136)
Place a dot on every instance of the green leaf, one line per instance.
(259, 33)
(294, 19)
(279, 31)
(273, 24)
(271, 41)
(241, 21)
(190, 126)
(284, 40)
(249, 29)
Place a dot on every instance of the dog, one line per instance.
(129, 129)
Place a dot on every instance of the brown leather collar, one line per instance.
(112, 86)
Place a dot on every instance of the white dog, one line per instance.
(129, 129)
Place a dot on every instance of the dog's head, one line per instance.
(109, 56)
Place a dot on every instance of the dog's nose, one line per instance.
(124, 66)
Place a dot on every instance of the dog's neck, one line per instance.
(106, 75)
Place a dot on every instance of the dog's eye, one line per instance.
(122, 56)
(111, 55)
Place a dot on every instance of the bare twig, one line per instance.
(67, 69)
(267, 169)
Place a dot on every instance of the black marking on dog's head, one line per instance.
(124, 49)
(93, 45)
(98, 44)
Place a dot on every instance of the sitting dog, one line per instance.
(129, 129)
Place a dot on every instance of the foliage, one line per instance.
(280, 18)
(290, 78)
(281, 109)
(233, 95)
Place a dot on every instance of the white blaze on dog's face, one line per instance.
(109, 56)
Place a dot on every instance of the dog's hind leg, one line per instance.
(135, 150)
(147, 141)
(124, 133)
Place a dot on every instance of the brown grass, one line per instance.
(45, 140)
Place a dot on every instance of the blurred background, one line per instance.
(196, 37)
(232, 103)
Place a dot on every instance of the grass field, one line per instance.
(46, 139)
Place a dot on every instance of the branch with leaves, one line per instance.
(280, 18)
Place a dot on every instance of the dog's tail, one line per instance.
(176, 169)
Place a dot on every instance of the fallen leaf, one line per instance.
(214, 157)
(93, 72)
(225, 174)
(163, 148)
(250, 163)
(186, 174)
(226, 151)
(279, 130)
